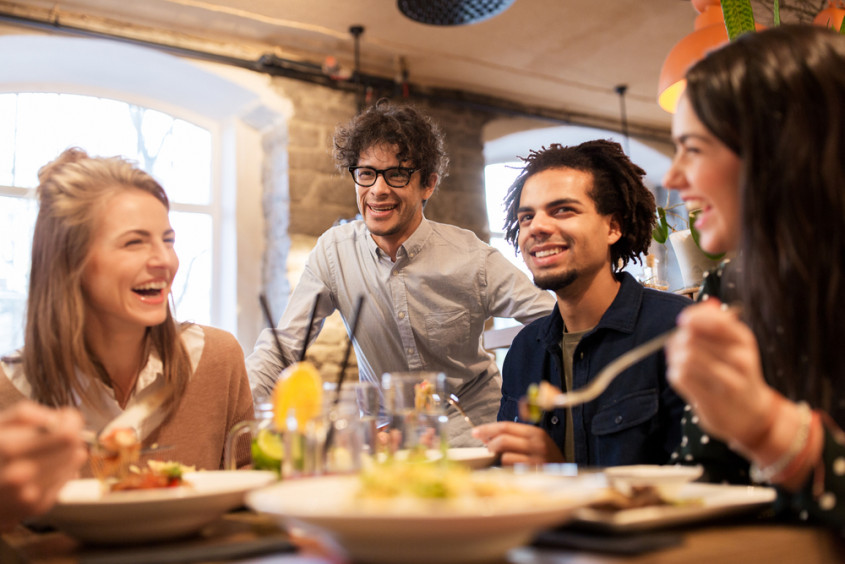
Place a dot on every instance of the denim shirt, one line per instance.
(637, 419)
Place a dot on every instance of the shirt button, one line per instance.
(410, 351)
(618, 419)
(401, 315)
(555, 420)
(394, 273)
(582, 356)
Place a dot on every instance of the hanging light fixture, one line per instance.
(709, 33)
(452, 12)
(831, 16)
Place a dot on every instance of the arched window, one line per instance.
(198, 128)
(36, 127)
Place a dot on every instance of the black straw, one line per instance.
(352, 327)
(266, 307)
(310, 324)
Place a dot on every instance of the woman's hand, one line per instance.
(714, 364)
(40, 450)
(518, 443)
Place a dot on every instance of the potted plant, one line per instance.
(693, 261)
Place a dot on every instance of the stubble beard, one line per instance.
(555, 281)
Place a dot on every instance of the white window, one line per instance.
(36, 127)
(497, 179)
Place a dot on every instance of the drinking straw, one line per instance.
(266, 307)
(310, 324)
(353, 326)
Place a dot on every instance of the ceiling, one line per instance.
(561, 57)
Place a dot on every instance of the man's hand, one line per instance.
(518, 443)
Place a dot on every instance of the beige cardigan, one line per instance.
(216, 398)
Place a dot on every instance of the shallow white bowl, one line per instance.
(423, 531)
(668, 480)
(86, 512)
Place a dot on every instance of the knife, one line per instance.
(137, 413)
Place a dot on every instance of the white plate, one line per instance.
(668, 479)
(715, 500)
(89, 514)
(475, 458)
(424, 531)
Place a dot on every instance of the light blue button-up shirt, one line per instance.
(426, 311)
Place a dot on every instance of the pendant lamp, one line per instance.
(709, 33)
(831, 16)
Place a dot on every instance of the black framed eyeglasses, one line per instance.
(396, 176)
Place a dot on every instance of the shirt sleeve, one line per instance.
(265, 363)
(510, 293)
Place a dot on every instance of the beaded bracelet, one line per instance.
(767, 473)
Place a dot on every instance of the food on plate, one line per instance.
(420, 479)
(114, 453)
(636, 497)
(298, 396)
(156, 475)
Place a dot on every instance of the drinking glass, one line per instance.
(265, 451)
(415, 404)
(368, 399)
(335, 439)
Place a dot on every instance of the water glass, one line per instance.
(368, 400)
(416, 406)
(264, 450)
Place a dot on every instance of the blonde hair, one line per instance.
(72, 192)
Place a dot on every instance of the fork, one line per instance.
(456, 403)
(549, 397)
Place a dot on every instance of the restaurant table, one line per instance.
(248, 538)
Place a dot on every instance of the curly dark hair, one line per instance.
(418, 139)
(618, 190)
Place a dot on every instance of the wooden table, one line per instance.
(740, 542)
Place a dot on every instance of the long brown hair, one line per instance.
(72, 192)
(776, 99)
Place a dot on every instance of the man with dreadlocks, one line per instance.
(578, 215)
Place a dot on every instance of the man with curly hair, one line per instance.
(429, 287)
(578, 215)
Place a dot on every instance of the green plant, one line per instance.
(661, 230)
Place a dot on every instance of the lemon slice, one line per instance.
(299, 392)
(267, 449)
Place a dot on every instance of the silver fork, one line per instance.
(456, 403)
(550, 397)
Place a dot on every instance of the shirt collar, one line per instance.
(620, 316)
(622, 313)
(412, 245)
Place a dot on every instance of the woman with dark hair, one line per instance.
(100, 335)
(760, 139)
